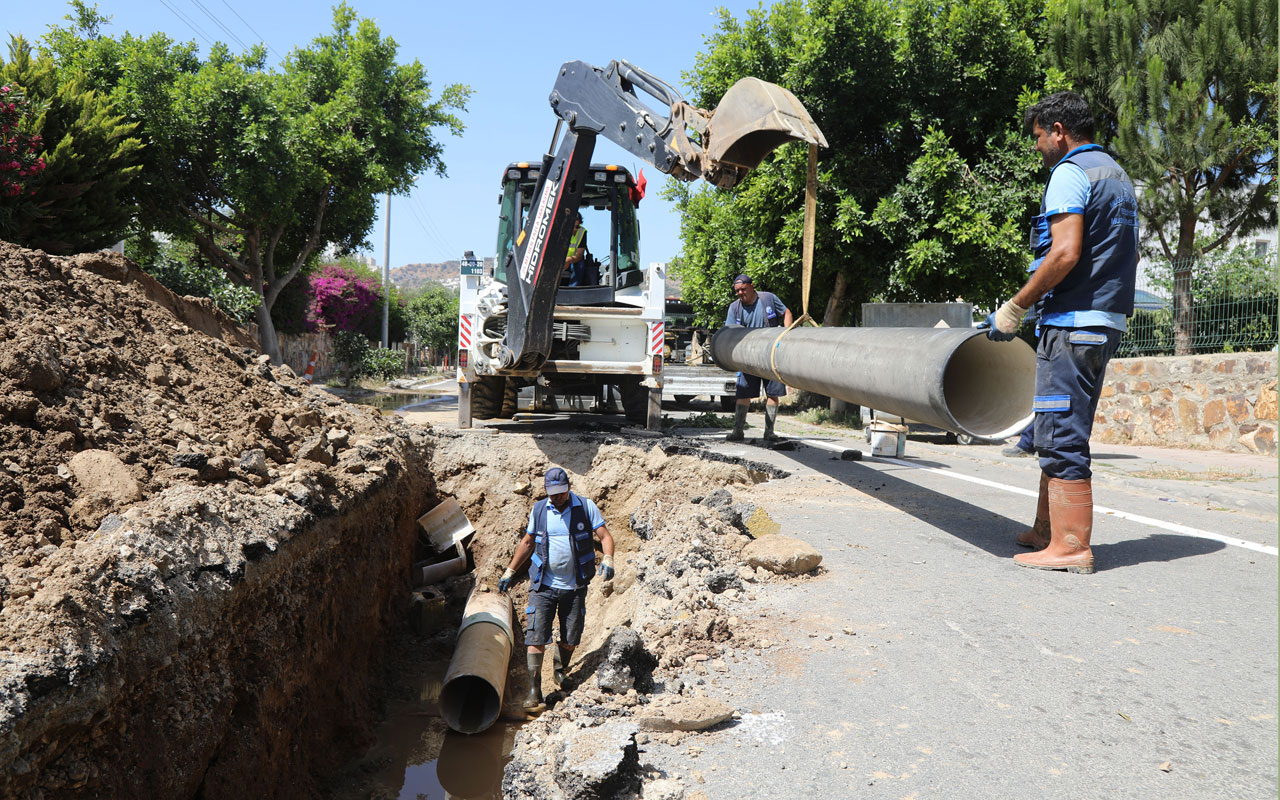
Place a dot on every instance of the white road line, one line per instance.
(1173, 527)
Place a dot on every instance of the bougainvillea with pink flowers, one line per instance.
(341, 297)
(20, 159)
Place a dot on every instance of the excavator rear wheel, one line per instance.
(510, 399)
(635, 400)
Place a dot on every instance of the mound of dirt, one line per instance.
(102, 367)
(149, 457)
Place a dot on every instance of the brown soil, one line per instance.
(197, 550)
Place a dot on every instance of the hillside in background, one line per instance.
(412, 277)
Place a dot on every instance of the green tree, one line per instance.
(84, 198)
(263, 169)
(1186, 94)
(180, 267)
(878, 77)
(433, 318)
(959, 231)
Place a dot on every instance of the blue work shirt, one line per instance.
(559, 550)
(1068, 193)
(766, 312)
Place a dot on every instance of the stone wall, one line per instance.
(296, 350)
(1215, 402)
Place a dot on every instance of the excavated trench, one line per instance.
(205, 567)
(646, 497)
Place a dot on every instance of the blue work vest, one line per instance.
(771, 318)
(1105, 277)
(580, 532)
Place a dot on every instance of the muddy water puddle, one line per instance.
(416, 757)
(419, 758)
(391, 403)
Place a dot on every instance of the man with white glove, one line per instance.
(1003, 323)
(1083, 274)
(560, 543)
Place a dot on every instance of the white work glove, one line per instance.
(504, 582)
(1004, 322)
(606, 568)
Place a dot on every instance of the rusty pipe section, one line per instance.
(952, 378)
(471, 697)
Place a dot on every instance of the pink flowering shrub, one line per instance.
(341, 298)
(19, 149)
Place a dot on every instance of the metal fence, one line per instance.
(1233, 306)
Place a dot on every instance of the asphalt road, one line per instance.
(965, 676)
(920, 662)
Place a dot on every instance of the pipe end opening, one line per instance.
(469, 704)
(989, 386)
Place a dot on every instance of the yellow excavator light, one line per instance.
(611, 167)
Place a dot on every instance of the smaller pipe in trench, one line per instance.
(471, 697)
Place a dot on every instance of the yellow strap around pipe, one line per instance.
(810, 212)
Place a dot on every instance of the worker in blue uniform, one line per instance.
(559, 541)
(755, 309)
(1085, 245)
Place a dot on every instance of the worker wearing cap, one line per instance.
(559, 543)
(755, 309)
(1085, 243)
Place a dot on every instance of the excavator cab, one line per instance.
(612, 237)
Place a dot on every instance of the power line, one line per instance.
(219, 23)
(190, 24)
(446, 240)
(431, 234)
(261, 38)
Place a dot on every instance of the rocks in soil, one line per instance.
(687, 714)
(721, 580)
(563, 760)
(782, 555)
(626, 663)
(600, 762)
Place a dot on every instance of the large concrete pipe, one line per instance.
(952, 378)
(471, 697)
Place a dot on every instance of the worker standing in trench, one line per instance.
(559, 540)
(755, 309)
(1085, 241)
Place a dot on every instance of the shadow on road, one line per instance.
(1156, 547)
(981, 527)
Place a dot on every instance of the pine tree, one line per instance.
(83, 199)
(1185, 92)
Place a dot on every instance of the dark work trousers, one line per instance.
(1026, 439)
(1071, 364)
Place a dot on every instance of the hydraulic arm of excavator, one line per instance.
(752, 119)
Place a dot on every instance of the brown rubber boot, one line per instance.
(1037, 536)
(1071, 526)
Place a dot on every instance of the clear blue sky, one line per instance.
(507, 52)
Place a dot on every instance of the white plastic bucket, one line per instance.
(888, 440)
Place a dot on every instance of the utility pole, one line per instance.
(386, 275)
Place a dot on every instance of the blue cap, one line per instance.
(557, 481)
(742, 279)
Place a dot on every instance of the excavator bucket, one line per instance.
(753, 118)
